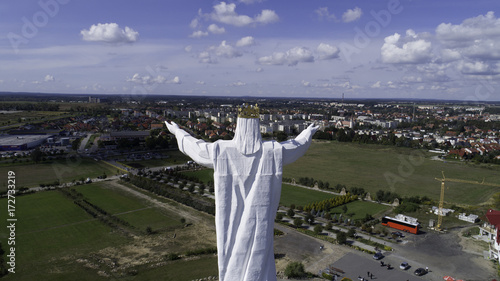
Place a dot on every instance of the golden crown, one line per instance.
(248, 111)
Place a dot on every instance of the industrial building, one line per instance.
(21, 142)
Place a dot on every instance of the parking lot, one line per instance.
(443, 254)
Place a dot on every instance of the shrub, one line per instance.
(295, 270)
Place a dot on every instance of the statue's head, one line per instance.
(247, 136)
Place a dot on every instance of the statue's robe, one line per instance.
(247, 179)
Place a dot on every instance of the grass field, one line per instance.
(301, 196)
(57, 240)
(361, 208)
(136, 212)
(28, 116)
(405, 171)
(66, 170)
(49, 228)
(204, 175)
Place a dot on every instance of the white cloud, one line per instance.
(376, 85)
(198, 34)
(482, 26)
(323, 13)
(225, 13)
(194, 24)
(245, 41)
(448, 55)
(238, 84)
(259, 69)
(478, 68)
(305, 83)
(327, 52)
(109, 33)
(200, 82)
(149, 80)
(175, 80)
(49, 78)
(291, 57)
(213, 28)
(352, 15)
(225, 50)
(409, 49)
(188, 48)
(205, 57)
(267, 16)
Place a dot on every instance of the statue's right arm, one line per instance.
(196, 149)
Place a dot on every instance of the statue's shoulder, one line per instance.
(272, 144)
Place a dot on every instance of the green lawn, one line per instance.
(204, 175)
(66, 170)
(137, 212)
(54, 235)
(300, 196)
(407, 172)
(49, 228)
(361, 208)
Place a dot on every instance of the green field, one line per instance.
(407, 172)
(204, 175)
(361, 208)
(52, 228)
(66, 170)
(136, 212)
(301, 196)
(57, 240)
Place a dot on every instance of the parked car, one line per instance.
(378, 255)
(404, 266)
(420, 271)
(398, 233)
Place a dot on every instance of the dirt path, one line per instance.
(191, 215)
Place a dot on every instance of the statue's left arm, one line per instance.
(198, 150)
(294, 149)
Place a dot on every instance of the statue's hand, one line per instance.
(313, 128)
(172, 127)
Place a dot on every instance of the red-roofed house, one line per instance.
(491, 231)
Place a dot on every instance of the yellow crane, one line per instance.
(441, 198)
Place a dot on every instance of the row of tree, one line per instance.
(327, 204)
(198, 202)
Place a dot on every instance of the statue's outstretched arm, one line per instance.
(198, 150)
(294, 149)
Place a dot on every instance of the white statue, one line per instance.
(247, 178)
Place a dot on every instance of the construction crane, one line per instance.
(441, 198)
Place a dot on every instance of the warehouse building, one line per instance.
(21, 142)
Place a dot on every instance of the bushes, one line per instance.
(295, 270)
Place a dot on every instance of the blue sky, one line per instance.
(446, 49)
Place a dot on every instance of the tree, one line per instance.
(290, 213)
(309, 219)
(351, 232)
(297, 222)
(295, 270)
(281, 136)
(341, 237)
(318, 229)
(36, 155)
(279, 217)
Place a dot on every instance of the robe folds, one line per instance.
(247, 179)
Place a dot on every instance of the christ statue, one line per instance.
(247, 179)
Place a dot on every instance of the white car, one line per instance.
(404, 266)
